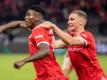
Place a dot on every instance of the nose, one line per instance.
(68, 21)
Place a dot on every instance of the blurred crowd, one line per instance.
(57, 11)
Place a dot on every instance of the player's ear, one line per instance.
(36, 18)
(81, 21)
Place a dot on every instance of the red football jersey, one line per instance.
(84, 59)
(46, 68)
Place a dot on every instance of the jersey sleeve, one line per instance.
(41, 36)
(87, 37)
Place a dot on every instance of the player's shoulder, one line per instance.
(42, 30)
(39, 29)
(86, 34)
(46, 24)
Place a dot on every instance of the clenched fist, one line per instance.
(19, 64)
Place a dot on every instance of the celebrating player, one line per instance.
(81, 47)
(40, 45)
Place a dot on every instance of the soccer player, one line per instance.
(81, 47)
(40, 45)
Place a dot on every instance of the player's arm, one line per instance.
(41, 53)
(13, 24)
(59, 44)
(69, 40)
(66, 38)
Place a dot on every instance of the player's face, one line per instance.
(74, 22)
(31, 18)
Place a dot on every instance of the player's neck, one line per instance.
(78, 31)
(39, 22)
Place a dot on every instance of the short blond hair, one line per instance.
(79, 13)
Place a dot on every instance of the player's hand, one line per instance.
(19, 64)
(23, 25)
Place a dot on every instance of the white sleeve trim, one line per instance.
(43, 42)
(83, 40)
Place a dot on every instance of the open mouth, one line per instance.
(70, 25)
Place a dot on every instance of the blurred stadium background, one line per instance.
(13, 43)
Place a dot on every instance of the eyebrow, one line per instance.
(71, 18)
